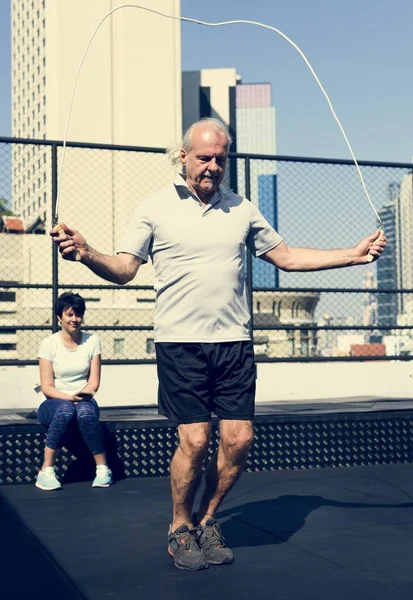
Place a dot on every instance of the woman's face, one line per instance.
(70, 321)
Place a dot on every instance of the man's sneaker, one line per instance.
(184, 548)
(212, 544)
(47, 480)
(103, 477)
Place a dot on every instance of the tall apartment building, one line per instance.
(404, 236)
(248, 112)
(387, 266)
(211, 93)
(128, 91)
(399, 231)
(255, 133)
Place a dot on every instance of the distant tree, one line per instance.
(3, 207)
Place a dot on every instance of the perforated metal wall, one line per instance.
(145, 451)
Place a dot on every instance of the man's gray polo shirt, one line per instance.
(199, 259)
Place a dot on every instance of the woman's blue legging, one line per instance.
(57, 415)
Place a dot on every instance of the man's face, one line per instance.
(205, 162)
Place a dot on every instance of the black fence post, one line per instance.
(55, 254)
(249, 255)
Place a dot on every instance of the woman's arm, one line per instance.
(47, 381)
(93, 382)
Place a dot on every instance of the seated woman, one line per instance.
(70, 364)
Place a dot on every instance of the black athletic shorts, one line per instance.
(196, 379)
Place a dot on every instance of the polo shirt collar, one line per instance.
(184, 192)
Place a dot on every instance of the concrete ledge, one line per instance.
(136, 385)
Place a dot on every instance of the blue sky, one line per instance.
(362, 51)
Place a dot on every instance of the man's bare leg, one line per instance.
(226, 467)
(186, 470)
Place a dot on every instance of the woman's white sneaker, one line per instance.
(47, 480)
(103, 477)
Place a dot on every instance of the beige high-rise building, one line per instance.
(128, 92)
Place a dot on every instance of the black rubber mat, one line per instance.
(318, 534)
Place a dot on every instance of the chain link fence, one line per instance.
(347, 314)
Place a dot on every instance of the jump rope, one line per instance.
(207, 24)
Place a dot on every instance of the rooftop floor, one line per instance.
(308, 534)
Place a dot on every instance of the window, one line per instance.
(7, 296)
(304, 343)
(118, 346)
(8, 347)
(291, 342)
(150, 346)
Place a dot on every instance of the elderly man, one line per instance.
(196, 233)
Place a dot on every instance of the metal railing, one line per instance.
(361, 313)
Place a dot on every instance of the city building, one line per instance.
(29, 264)
(255, 133)
(250, 116)
(248, 112)
(387, 266)
(370, 310)
(400, 342)
(212, 93)
(404, 243)
(128, 93)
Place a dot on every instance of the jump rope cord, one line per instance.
(198, 22)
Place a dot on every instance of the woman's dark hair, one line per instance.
(70, 300)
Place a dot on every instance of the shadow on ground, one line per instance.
(275, 521)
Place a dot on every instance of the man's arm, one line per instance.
(72, 246)
(287, 258)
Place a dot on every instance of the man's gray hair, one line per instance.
(174, 152)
